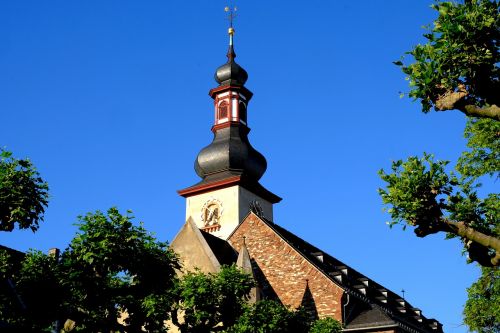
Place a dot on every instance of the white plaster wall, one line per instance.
(235, 201)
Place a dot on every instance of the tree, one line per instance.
(23, 193)
(112, 268)
(113, 277)
(457, 69)
(268, 316)
(482, 312)
(326, 325)
(34, 297)
(462, 52)
(211, 302)
(420, 193)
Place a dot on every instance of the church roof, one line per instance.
(224, 253)
(373, 303)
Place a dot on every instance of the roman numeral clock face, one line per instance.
(211, 212)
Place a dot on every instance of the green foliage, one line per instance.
(112, 269)
(23, 194)
(326, 325)
(457, 69)
(271, 317)
(414, 191)
(5, 264)
(38, 285)
(32, 298)
(483, 158)
(482, 310)
(8, 302)
(420, 193)
(113, 266)
(206, 301)
(460, 55)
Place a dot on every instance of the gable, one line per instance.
(193, 249)
(285, 272)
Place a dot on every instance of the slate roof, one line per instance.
(370, 306)
(374, 304)
(224, 253)
(15, 254)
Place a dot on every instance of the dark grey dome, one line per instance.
(231, 151)
(231, 73)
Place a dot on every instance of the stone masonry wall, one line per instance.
(292, 277)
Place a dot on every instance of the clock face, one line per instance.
(211, 212)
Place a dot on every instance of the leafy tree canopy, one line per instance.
(420, 193)
(271, 317)
(23, 193)
(268, 316)
(457, 68)
(326, 325)
(211, 302)
(113, 277)
(482, 310)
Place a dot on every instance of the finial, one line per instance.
(231, 16)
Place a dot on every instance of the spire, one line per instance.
(244, 262)
(230, 51)
(231, 73)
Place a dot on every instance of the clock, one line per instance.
(211, 212)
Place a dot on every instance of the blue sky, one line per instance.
(109, 99)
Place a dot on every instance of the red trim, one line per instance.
(190, 191)
(248, 94)
(211, 228)
(222, 125)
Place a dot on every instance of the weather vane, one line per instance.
(231, 16)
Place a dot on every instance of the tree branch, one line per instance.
(461, 229)
(450, 98)
(492, 111)
(454, 100)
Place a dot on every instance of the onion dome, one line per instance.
(230, 153)
(231, 73)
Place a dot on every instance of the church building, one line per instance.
(229, 220)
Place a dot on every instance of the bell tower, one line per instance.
(229, 167)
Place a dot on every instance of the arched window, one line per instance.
(223, 110)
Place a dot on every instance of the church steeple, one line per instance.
(229, 163)
(230, 153)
